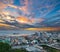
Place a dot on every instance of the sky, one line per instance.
(30, 13)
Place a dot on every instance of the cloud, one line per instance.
(13, 6)
(24, 8)
(5, 3)
(37, 20)
(21, 8)
(26, 20)
(44, 29)
(6, 12)
(58, 11)
(12, 13)
(2, 5)
(7, 27)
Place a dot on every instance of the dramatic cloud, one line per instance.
(32, 13)
(30, 21)
(24, 20)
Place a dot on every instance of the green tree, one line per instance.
(4, 47)
(18, 50)
(50, 49)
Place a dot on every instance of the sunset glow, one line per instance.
(24, 20)
(31, 14)
(44, 29)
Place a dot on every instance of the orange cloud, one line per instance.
(2, 5)
(22, 8)
(27, 20)
(4, 24)
(44, 29)
(1, 21)
(25, 7)
(6, 12)
(23, 20)
(7, 26)
(5, 3)
(13, 6)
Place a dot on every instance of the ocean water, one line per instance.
(10, 32)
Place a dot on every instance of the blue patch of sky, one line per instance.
(17, 2)
(54, 12)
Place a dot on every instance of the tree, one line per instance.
(18, 50)
(4, 47)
